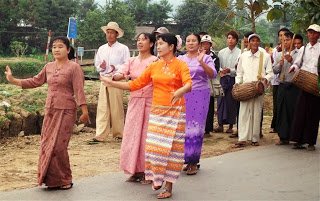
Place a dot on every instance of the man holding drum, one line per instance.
(307, 115)
(253, 65)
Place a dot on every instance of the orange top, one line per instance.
(166, 79)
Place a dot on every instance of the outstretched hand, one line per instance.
(106, 80)
(8, 73)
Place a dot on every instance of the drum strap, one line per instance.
(259, 77)
(304, 49)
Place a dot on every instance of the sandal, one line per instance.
(94, 141)
(137, 177)
(239, 145)
(166, 193)
(298, 146)
(229, 130)
(193, 169)
(64, 187)
(155, 188)
(117, 139)
(255, 144)
(282, 142)
(186, 168)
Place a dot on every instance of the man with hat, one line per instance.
(252, 65)
(307, 114)
(206, 44)
(160, 30)
(110, 101)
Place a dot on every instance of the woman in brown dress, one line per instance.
(65, 91)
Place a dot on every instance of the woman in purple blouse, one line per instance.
(202, 69)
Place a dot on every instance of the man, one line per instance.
(247, 71)
(275, 80)
(227, 106)
(307, 115)
(287, 92)
(298, 41)
(110, 111)
(206, 44)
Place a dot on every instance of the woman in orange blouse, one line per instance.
(166, 127)
(65, 81)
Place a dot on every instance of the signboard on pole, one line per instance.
(80, 52)
(72, 28)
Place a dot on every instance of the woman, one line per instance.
(132, 155)
(65, 81)
(165, 137)
(197, 101)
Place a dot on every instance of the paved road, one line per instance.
(262, 173)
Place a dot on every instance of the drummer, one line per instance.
(250, 110)
(287, 92)
(307, 114)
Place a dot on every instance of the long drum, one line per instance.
(306, 81)
(247, 91)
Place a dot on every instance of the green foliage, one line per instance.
(18, 48)
(90, 33)
(158, 13)
(21, 69)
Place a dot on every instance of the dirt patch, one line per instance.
(19, 156)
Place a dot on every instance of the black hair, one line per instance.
(169, 38)
(247, 34)
(71, 53)
(234, 34)
(203, 33)
(298, 36)
(288, 34)
(65, 41)
(197, 36)
(151, 38)
(284, 30)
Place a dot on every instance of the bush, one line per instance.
(18, 48)
(21, 69)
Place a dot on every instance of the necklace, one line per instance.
(57, 67)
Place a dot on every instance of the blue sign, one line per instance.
(72, 28)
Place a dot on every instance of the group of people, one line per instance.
(171, 103)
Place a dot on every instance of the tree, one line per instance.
(90, 33)
(158, 13)
(194, 16)
(250, 9)
(300, 13)
(84, 7)
(139, 9)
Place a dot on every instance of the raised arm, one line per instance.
(10, 77)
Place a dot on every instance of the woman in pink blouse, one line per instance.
(132, 156)
(65, 91)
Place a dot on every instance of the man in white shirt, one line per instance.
(110, 102)
(227, 105)
(307, 115)
(250, 110)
